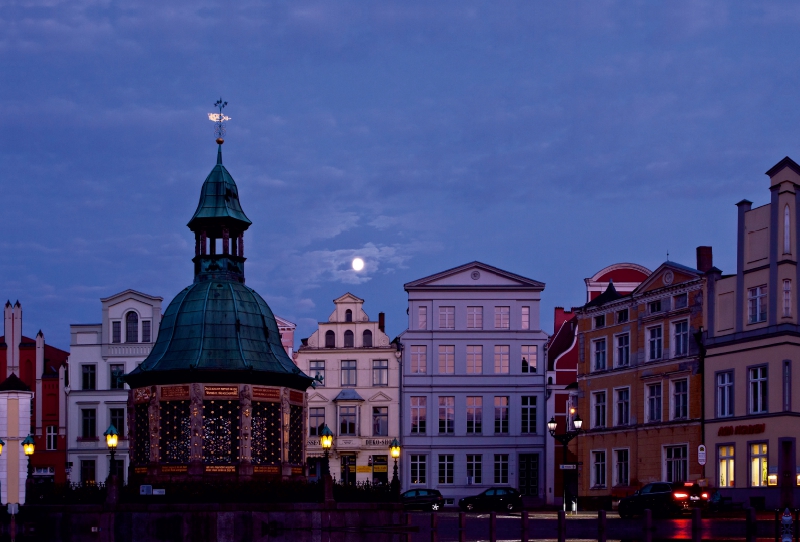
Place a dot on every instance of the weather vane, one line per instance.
(219, 121)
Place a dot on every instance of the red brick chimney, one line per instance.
(705, 260)
(382, 322)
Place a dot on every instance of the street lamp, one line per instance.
(326, 439)
(112, 439)
(564, 438)
(28, 446)
(1, 446)
(394, 448)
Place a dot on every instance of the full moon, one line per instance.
(358, 264)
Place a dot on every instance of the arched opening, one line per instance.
(131, 327)
(786, 231)
(348, 315)
(348, 339)
(367, 338)
(330, 339)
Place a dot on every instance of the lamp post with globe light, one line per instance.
(564, 438)
(112, 439)
(394, 448)
(326, 440)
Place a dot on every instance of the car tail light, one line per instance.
(680, 495)
(704, 495)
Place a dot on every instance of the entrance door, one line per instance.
(380, 469)
(788, 470)
(348, 469)
(529, 475)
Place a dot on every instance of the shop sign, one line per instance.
(273, 394)
(377, 442)
(363, 468)
(728, 430)
(701, 454)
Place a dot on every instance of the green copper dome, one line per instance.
(218, 330)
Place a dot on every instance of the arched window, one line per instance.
(348, 339)
(367, 337)
(330, 339)
(348, 315)
(131, 327)
(786, 236)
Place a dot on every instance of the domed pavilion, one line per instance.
(218, 395)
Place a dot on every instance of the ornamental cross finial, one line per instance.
(219, 121)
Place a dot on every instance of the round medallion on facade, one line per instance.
(668, 278)
(476, 275)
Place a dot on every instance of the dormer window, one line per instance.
(131, 327)
(348, 316)
(367, 338)
(330, 339)
(348, 339)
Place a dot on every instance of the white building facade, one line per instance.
(96, 398)
(358, 397)
(15, 426)
(473, 398)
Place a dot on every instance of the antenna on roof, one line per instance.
(219, 121)
(668, 255)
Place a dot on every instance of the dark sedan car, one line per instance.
(422, 499)
(664, 498)
(505, 499)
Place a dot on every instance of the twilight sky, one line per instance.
(547, 138)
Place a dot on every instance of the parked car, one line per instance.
(664, 498)
(505, 499)
(422, 499)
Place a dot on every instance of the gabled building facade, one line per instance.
(357, 393)
(473, 385)
(753, 347)
(100, 354)
(639, 384)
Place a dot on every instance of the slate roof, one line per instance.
(219, 198)
(348, 395)
(13, 383)
(610, 294)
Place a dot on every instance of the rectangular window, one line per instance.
(317, 368)
(500, 468)
(501, 359)
(419, 359)
(681, 338)
(599, 417)
(681, 301)
(347, 420)
(88, 377)
(787, 385)
(599, 354)
(622, 316)
(419, 413)
(88, 474)
(654, 403)
(475, 359)
(117, 416)
(759, 468)
(623, 350)
(475, 468)
(116, 332)
(501, 317)
(526, 317)
(654, 307)
(380, 372)
(621, 467)
(654, 343)
(51, 442)
(787, 298)
(446, 469)
(447, 409)
(758, 390)
(600, 321)
(88, 423)
(677, 463)
(117, 371)
(447, 317)
(725, 394)
(726, 459)
(501, 415)
(474, 317)
(623, 415)
(680, 400)
(422, 317)
(380, 421)
(530, 353)
(349, 373)
(447, 359)
(528, 414)
(599, 469)
(757, 304)
(474, 415)
(419, 469)
(145, 331)
(316, 421)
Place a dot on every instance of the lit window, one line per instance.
(447, 317)
(726, 466)
(526, 317)
(501, 317)
(474, 317)
(422, 317)
(447, 363)
(475, 359)
(501, 359)
(530, 354)
(759, 469)
(419, 359)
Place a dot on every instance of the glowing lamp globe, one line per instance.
(326, 438)
(551, 425)
(394, 448)
(1, 446)
(577, 422)
(112, 436)
(28, 445)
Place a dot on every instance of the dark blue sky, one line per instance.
(545, 139)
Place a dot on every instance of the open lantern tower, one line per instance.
(218, 396)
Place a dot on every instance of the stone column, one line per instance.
(196, 428)
(245, 423)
